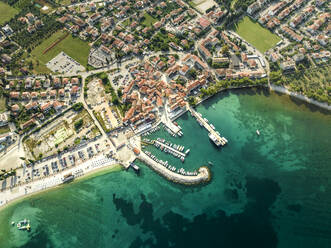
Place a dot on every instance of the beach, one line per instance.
(89, 167)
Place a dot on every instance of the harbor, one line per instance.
(214, 135)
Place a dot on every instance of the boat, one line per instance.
(212, 126)
(213, 106)
(210, 163)
(214, 139)
(257, 132)
(12, 223)
(68, 178)
(24, 225)
(187, 151)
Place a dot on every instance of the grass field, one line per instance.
(2, 104)
(74, 47)
(4, 129)
(6, 12)
(149, 20)
(255, 34)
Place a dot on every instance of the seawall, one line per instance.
(203, 176)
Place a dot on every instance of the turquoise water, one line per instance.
(271, 190)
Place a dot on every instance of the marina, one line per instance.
(214, 135)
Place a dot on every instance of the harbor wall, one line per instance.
(204, 174)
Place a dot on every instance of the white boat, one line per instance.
(257, 132)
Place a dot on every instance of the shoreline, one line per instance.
(88, 173)
(283, 90)
(278, 89)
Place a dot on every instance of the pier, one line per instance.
(203, 175)
(213, 135)
(170, 148)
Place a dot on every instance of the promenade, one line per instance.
(202, 176)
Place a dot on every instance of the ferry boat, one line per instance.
(68, 178)
(257, 132)
(214, 139)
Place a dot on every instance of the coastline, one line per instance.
(279, 89)
(88, 173)
(282, 89)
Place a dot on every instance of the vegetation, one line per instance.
(78, 107)
(148, 20)
(224, 84)
(101, 121)
(6, 12)
(248, 29)
(313, 82)
(78, 124)
(74, 47)
(4, 129)
(31, 40)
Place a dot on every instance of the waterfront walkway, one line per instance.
(202, 176)
(219, 140)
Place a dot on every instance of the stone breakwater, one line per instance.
(203, 176)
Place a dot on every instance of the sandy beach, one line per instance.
(88, 168)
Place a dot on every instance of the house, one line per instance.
(3, 119)
(14, 95)
(57, 105)
(289, 64)
(29, 123)
(46, 107)
(15, 108)
(31, 105)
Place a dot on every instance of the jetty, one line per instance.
(170, 148)
(203, 174)
(213, 134)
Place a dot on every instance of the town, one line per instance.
(81, 82)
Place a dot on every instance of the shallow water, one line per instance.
(271, 190)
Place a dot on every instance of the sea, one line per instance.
(267, 190)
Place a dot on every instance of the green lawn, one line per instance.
(2, 104)
(74, 47)
(4, 129)
(149, 20)
(255, 34)
(6, 12)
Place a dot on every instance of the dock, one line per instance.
(170, 148)
(213, 134)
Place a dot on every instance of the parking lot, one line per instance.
(63, 63)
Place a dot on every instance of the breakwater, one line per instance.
(203, 174)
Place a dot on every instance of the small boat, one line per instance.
(24, 225)
(257, 132)
(210, 163)
(13, 223)
(213, 106)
